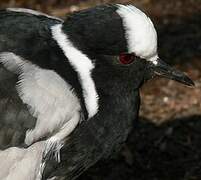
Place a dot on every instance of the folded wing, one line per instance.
(39, 109)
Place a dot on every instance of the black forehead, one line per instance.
(100, 28)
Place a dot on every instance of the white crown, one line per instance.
(140, 32)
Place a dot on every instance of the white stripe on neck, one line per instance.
(82, 64)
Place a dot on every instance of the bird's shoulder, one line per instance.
(33, 62)
(25, 31)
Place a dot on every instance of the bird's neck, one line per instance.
(107, 130)
(118, 108)
(101, 135)
(119, 102)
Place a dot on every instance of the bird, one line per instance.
(70, 88)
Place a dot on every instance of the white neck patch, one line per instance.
(83, 65)
(140, 32)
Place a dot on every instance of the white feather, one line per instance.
(82, 64)
(33, 12)
(21, 163)
(50, 99)
(53, 178)
(55, 143)
(140, 32)
(48, 96)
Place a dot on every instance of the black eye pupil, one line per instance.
(126, 58)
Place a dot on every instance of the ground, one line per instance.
(165, 143)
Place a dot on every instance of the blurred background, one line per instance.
(165, 143)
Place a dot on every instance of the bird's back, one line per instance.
(23, 32)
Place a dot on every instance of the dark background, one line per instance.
(165, 143)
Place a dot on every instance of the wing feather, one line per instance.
(49, 98)
(38, 108)
(15, 118)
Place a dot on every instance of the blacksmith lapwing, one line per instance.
(70, 89)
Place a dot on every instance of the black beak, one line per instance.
(160, 68)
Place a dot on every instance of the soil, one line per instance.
(165, 144)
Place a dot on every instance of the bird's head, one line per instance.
(117, 45)
(120, 31)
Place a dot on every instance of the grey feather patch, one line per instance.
(50, 99)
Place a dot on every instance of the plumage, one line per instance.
(83, 67)
(141, 34)
(49, 98)
(66, 99)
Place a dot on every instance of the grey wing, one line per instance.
(25, 40)
(33, 89)
(21, 32)
(38, 108)
(15, 118)
(26, 49)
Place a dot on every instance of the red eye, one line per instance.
(126, 58)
